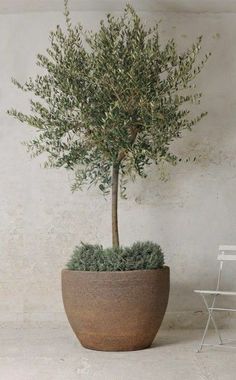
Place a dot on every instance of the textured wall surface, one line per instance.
(189, 215)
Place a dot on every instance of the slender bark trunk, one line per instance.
(115, 184)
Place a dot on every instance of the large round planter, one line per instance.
(115, 311)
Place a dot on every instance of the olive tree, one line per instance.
(107, 104)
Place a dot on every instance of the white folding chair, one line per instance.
(227, 253)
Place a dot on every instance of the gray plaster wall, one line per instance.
(189, 215)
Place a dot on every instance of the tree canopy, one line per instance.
(115, 96)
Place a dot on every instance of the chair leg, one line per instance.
(204, 334)
(217, 330)
(210, 318)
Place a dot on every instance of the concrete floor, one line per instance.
(45, 353)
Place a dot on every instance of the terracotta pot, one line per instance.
(115, 311)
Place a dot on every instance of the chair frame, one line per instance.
(225, 254)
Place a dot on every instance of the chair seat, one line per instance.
(217, 292)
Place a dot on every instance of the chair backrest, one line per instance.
(226, 253)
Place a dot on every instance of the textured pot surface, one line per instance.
(115, 311)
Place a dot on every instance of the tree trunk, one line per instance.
(115, 184)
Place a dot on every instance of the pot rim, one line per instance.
(164, 268)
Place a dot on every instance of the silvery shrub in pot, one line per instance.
(106, 106)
